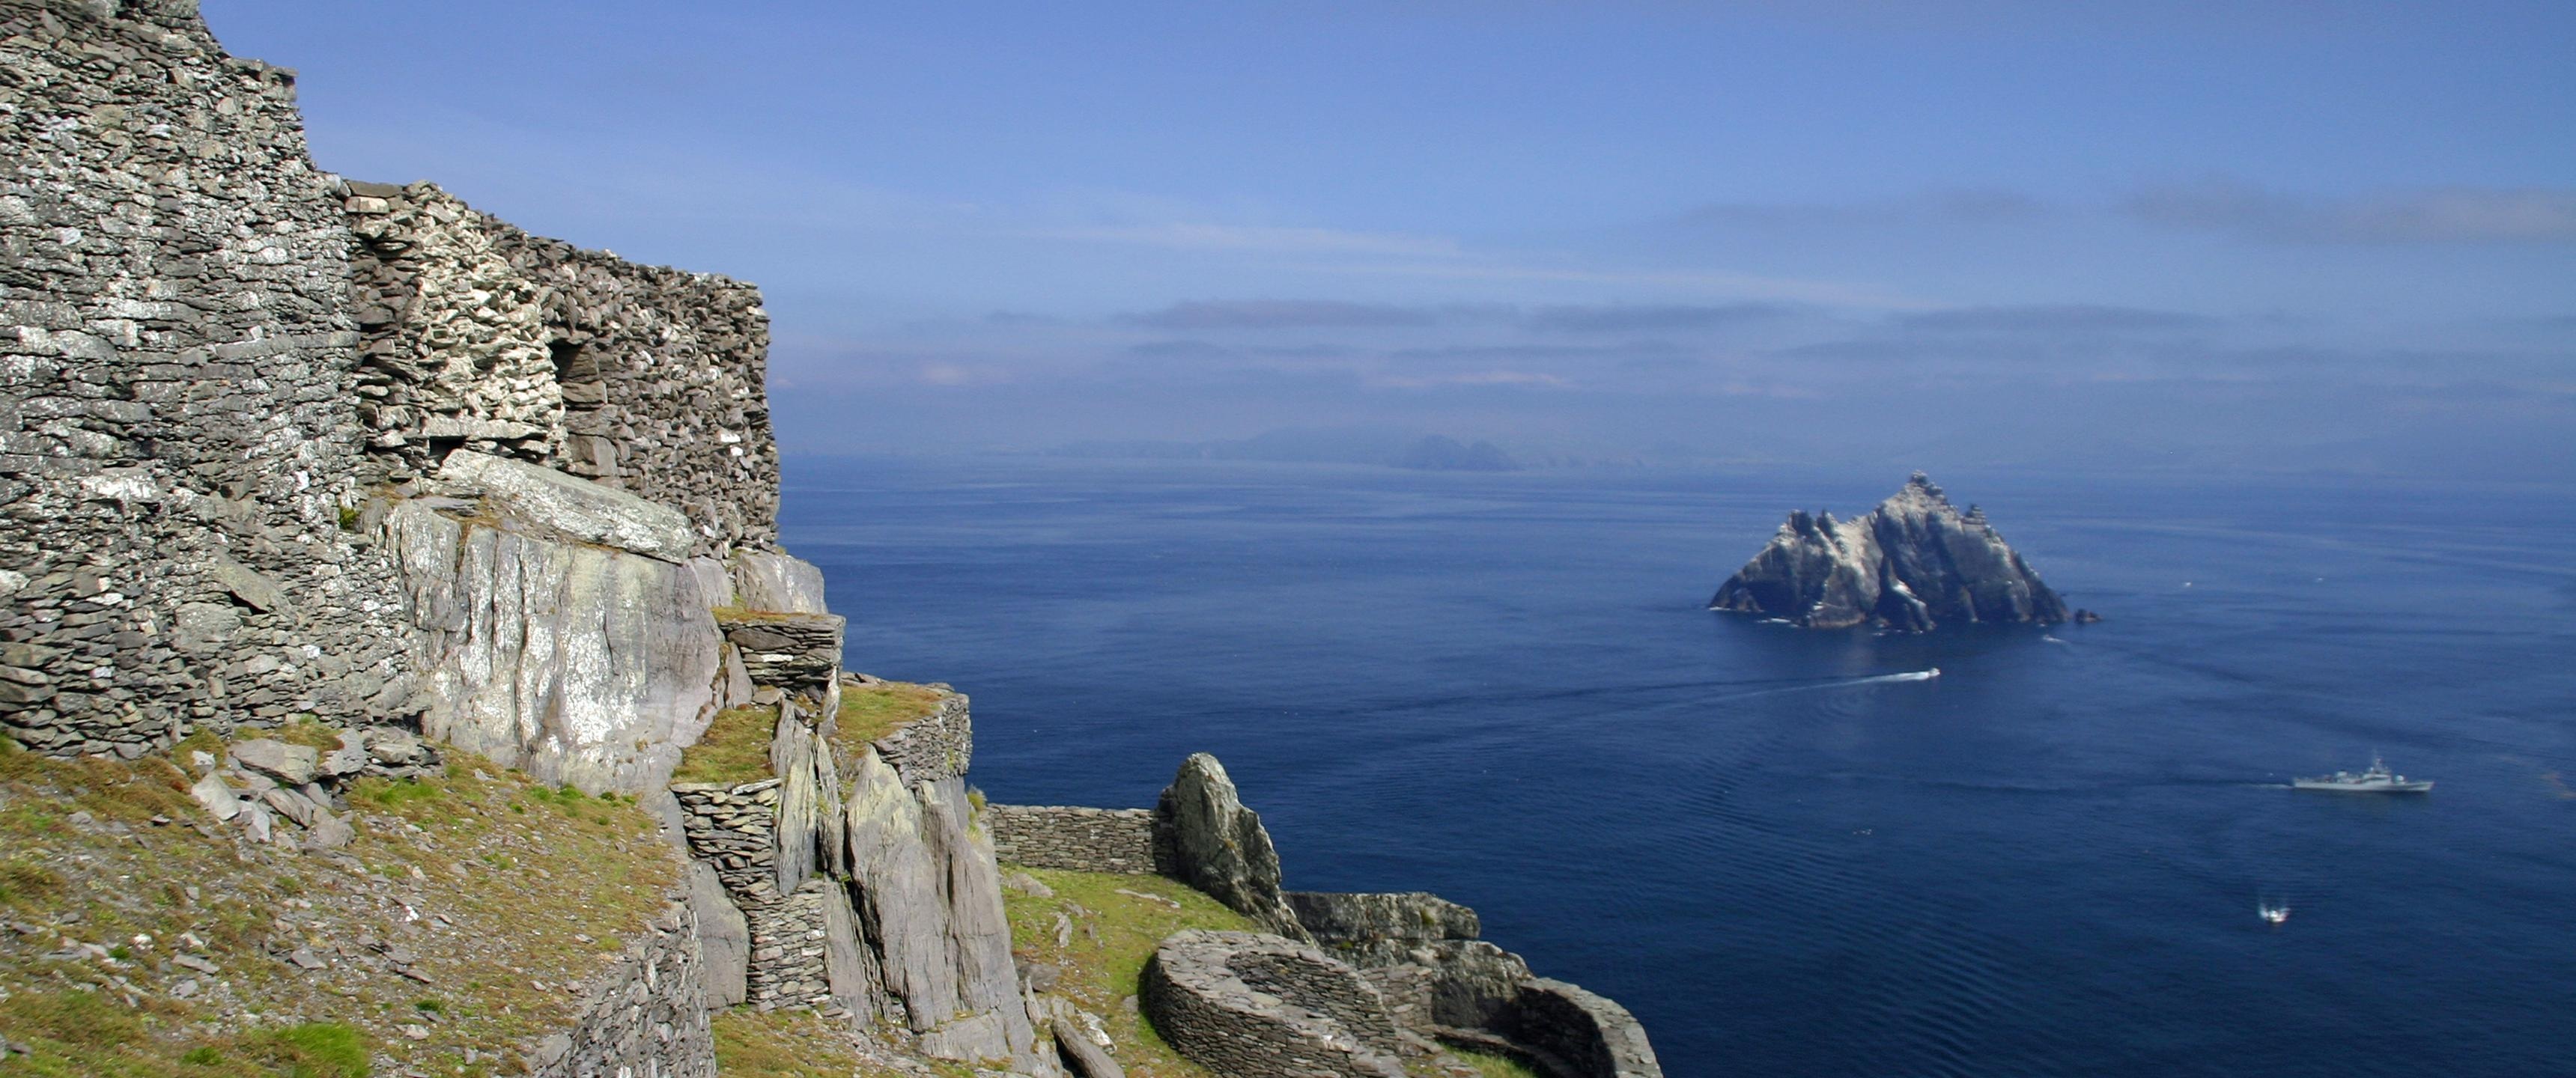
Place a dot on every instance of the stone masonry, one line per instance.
(177, 437)
(219, 364)
(933, 748)
(1076, 838)
(477, 334)
(1251, 1005)
(798, 653)
(645, 1017)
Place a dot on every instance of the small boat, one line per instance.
(2272, 913)
(2377, 780)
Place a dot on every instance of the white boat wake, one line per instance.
(1875, 679)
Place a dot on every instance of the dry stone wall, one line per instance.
(478, 334)
(219, 364)
(455, 350)
(798, 653)
(1077, 839)
(787, 950)
(732, 828)
(176, 433)
(645, 1017)
(934, 748)
(1260, 1006)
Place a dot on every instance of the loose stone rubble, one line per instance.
(292, 795)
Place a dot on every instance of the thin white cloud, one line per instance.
(1471, 378)
(1733, 286)
(2425, 215)
(1259, 239)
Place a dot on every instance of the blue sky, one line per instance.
(2236, 236)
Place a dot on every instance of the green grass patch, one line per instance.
(780, 1044)
(1492, 1066)
(309, 732)
(870, 712)
(311, 1050)
(411, 794)
(737, 615)
(26, 882)
(1114, 934)
(734, 750)
(89, 1034)
(584, 873)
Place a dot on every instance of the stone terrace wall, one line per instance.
(788, 945)
(176, 434)
(1078, 839)
(1254, 1006)
(641, 377)
(734, 828)
(934, 748)
(645, 1016)
(799, 653)
(1581, 1032)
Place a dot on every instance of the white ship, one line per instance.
(2378, 780)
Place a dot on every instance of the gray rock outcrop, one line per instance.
(929, 897)
(1413, 915)
(1220, 847)
(579, 664)
(765, 580)
(724, 937)
(552, 503)
(1914, 563)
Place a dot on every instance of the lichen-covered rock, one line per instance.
(1415, 915)
(579, 664)
(551, 503)
(1219, 846)
(1914, 563)
(724, 937)
(929, 896)
(771, 581)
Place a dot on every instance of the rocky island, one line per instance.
(400, 674)
(1913, 564)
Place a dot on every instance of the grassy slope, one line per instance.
(781, 1044)
(870, 712)
(498, 892)
(1113, 935)
(734, 750)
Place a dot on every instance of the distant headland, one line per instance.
(1914, 563)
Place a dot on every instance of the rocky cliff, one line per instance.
(1914, 563)
(362, 487)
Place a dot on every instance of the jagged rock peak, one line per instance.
(1221, 847)
(1914, 563)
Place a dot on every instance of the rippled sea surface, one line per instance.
(2046, 861)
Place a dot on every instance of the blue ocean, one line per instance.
(1784, 854)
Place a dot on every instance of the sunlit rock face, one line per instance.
(577, 662)
(1914, 563)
